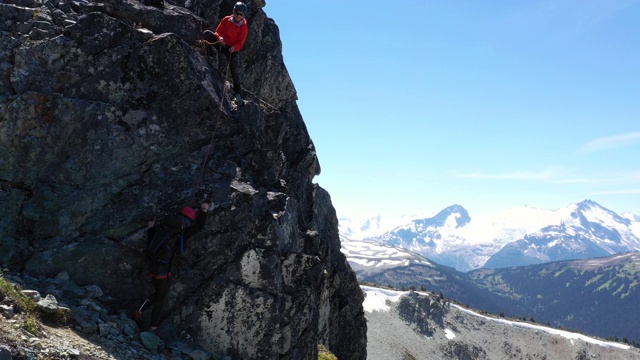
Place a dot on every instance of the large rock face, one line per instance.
(111, 115)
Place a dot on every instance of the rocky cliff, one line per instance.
(111, 115)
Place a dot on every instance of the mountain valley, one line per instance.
(417, 325)
(596, 296)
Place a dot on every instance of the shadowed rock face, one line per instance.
(110, 115)
(423, 314)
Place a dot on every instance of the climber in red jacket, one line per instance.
(229, 38)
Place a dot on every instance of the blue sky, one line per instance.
(417, 105)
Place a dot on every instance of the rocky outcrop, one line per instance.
(423, 313)
(111, 115)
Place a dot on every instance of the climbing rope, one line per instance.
(204, 44)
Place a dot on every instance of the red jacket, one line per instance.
(232, 34)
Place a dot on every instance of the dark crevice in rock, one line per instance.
(6, 185)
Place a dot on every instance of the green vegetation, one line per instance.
(594, 279)
(629, 291)
(619, 290)
(560, 272)
(630, 267)
(324, 354)
(604, 286)
(31, 325)
(23, 303)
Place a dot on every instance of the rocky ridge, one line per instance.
(111, 115)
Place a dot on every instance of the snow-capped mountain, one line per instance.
(587, 230)
(360, 229)
(634, 219)
(367, 258)
(454, 238)
(381, 264)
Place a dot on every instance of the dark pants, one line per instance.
(233, 57)
(157, 300)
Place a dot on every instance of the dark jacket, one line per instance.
(160, 262)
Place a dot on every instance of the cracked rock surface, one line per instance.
(111, 115)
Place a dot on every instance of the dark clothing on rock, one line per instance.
(160, 267)
(157, 299)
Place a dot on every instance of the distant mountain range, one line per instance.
(516, 237)
(597, 296)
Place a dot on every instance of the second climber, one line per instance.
(229, 39)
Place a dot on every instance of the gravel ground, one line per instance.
(390, 338)
(54, 343)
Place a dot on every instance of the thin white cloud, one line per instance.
(544, 175)
(610, 142)
(628, 178)
(559, 175)
(524, 175)
(619, 192)
(584, 181)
